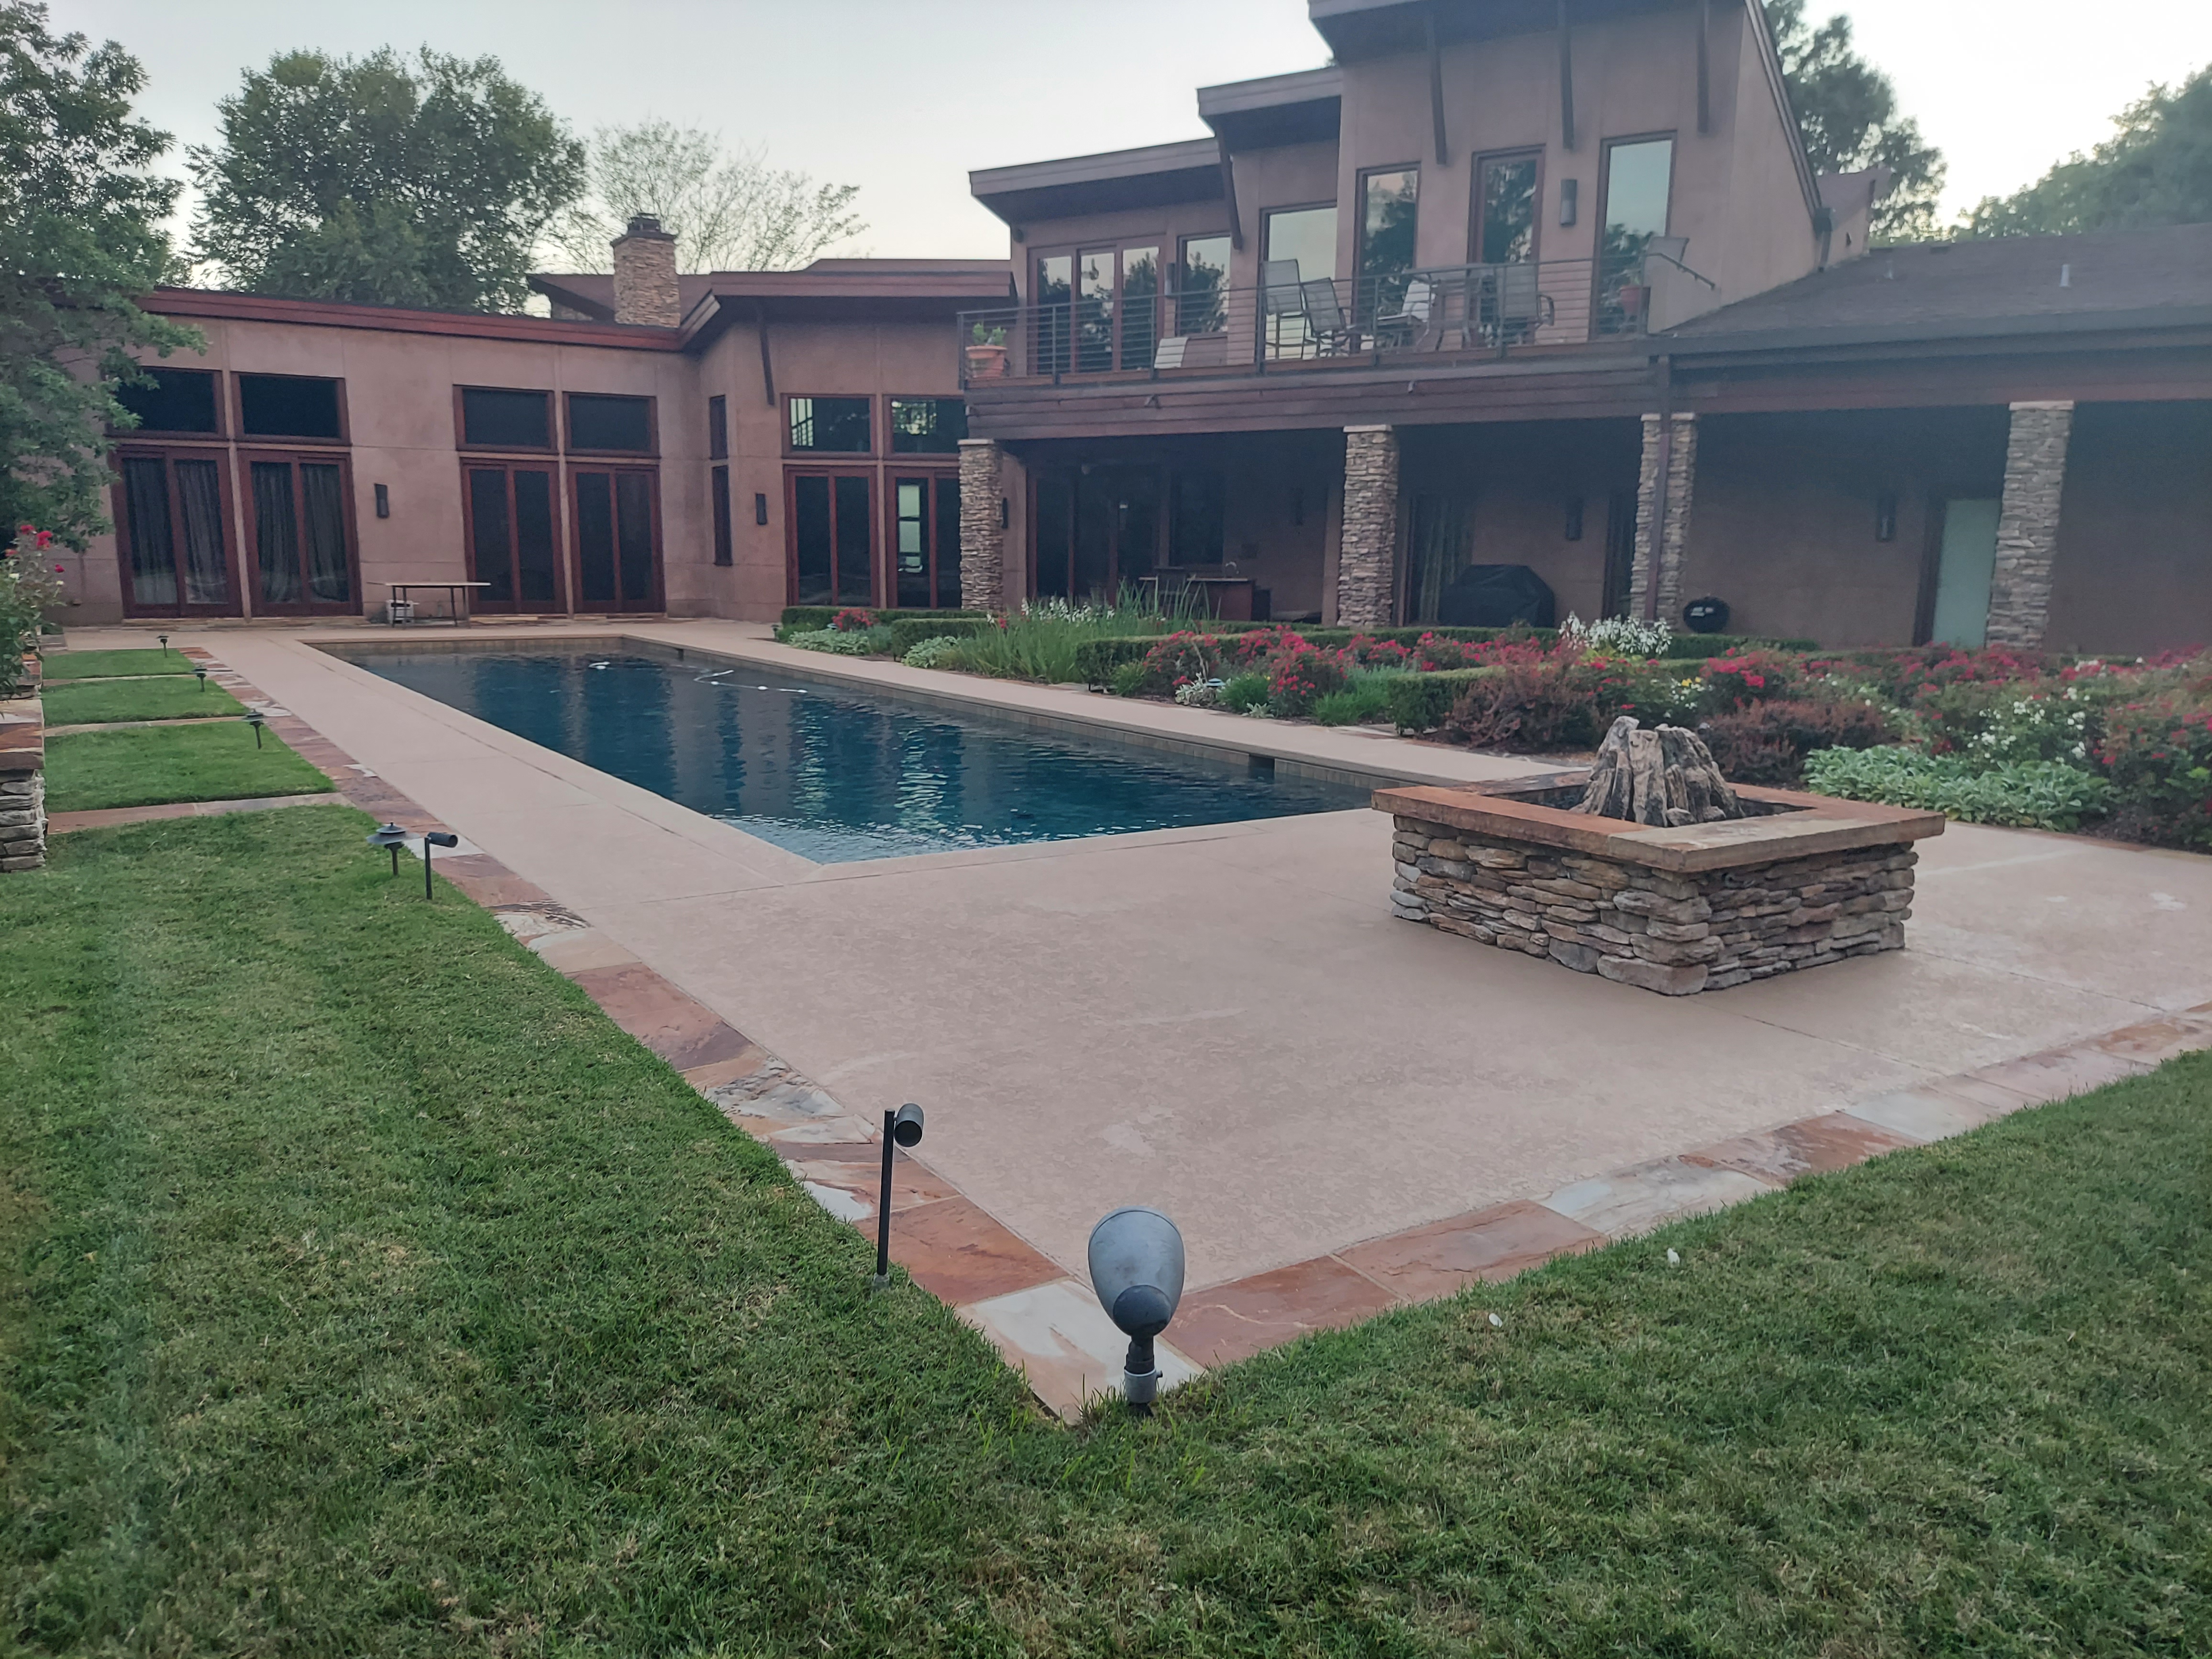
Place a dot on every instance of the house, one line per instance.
(711, 445)
(1551, 290)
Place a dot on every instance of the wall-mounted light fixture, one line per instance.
(1885, 518)
(1298, 506)
(384, 501)
(1574, 529)
(1005, 513)
(759, 507)
(1570, 189)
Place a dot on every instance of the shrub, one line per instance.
(1126, 680)
(1768, 742)
(1264, 645)
(1182, 660)
(1365, 651)
(1301, 678)
(1044, 639)
(2159, 757)
(907, 632)
(1245, 692)
(2028, 794)
(1656, 694)
(807, 618)
(1366, 699)
(932, 651)
(836, 641)
(1532, 707)
(1423, 702)
(29, 587)
(1907, 675)
(1099, 662)
(1748, 677)
(854, 620)
(1617, 636)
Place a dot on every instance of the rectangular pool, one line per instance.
(832, 772)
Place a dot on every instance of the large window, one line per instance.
(617, 538)
(1202, 286)
(1639, 175)
(1389, 215)
(180, 400)
(717, 484)
(176, 556)
(718, 428)
(302, 562)
(610, 426)
(499, 417)
(1304, 236)
(836, 426)
(290, 406)
(832, 539)
(1509, 193)
(511, 538)
(928, 426)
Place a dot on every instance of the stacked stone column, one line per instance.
(1367, 559)
(22, 782)
(2027, 523)
(646, 289)
(983, 536)
(1665, 544)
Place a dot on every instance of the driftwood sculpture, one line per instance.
(1663, 778)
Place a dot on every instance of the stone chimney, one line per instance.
(645, 275)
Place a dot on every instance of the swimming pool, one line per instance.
(833, 772)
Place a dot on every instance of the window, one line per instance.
(832, 544)
(1389, 205)
(1638, 176)
(1508, 189)
(511, 538)
(180, 400)
(1305, 234)
(718, 428)
(836, 426)
(928, 426)
(618, 542)
(1298, 246)
(617, 425)
(174, 554)
(1140, 305)
(927, 525)
(302, 562)
(289, 406)
(1202, 286)
(719, 481)
(1055, 287)
(496, 418)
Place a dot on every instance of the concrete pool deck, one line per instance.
(1227, 1021)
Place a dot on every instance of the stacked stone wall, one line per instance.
(22, 782)
(982, 537)
(2027, 523)
(1669, 540)
(1675, 934)
(1367, 557)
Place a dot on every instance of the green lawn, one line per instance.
(170, 698)
(149, 765)
(96, 664)
(368, 1293)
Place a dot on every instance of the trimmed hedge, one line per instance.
(810, 616)
(907, 632)
(1420, 703)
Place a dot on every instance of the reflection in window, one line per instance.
(928, 426)
(831, 425)
(180, 400)
(1094, 309)
(1140, 299)
(1056, 286)
(1637, 180)
(1201, 306)
(1388, 217)
(495, 418)
(1307, 235)
(1508, 235)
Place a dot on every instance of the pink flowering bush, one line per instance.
(29, 587)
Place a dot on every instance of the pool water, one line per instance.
(833, 772)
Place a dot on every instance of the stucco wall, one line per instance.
(2133, 571)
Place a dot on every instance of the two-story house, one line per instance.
(1520, 298)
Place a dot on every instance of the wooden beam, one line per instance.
(768, 368)
(1704, 68)
(1566, 83)
(1228, 193)
(1436, 86)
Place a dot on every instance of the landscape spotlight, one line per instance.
(1136, 1268)
(391, 836)
(257, 720)
(434, 838)
(900, 1128)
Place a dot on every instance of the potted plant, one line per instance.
(987, 353)
(1635, 297)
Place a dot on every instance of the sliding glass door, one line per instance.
(617, 537)
(832, 552)
(172, 509)
(925, 528)
(512, 545)
(299, 521)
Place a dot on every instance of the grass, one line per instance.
(97, 665)
(148, 766)
(1040, 640)
(85, 703)
(368, 1293)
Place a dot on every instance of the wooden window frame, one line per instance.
(878, 541)
(286, 440)
(527, 461)
(648, 456)
(1359, 213)
(249, 530)
(119, 504)
(1605, 150)
(892, 455)
(846, 458)
(166, 435)
(575, 541)
(461, 424)
(1539, 153)
(936, 477)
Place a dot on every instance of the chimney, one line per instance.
(645, 275)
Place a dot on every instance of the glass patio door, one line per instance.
(832, 539)
(511, 542)
(171, 535)
(617, 538)
(303, 558)
(925, 524)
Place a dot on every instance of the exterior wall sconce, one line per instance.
(384, 501)
(1006, 512)
(1885, 518)
(1574, 518)
(759, 507)
(1569, 189)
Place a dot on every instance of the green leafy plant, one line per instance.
(1365, 701)
(29, 587)
(938, 651)
(838, 642)
(2028, 794)
(1244, 694)
(1301, 678)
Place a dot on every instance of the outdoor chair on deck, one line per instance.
(1283, 308)
(1409, 324)
(1324, 317)
(1523, 307)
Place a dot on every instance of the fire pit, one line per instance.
(1798, 881)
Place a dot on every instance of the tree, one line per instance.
(728, 212)
(2155, 169)
(79, 243)
(383, 180)
(1847, 110)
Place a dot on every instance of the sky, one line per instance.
(903, 97)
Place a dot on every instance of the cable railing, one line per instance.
(1289, 322)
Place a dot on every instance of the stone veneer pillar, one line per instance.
(983, 536)
(22, 781)
(2027, 523)
(645, 275)
(1671, 540)
(1367, 557)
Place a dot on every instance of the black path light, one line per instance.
(1136, 1268)
(900, 1128)
(164, 639)
(199, 673)
(257, 720)
(434, 838)
(391, 836)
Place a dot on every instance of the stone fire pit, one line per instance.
(1805, 880)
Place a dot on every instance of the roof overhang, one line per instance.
(1154, 176)
(1282, 109)
(1381, 28)
(819, 296)
(215, 305)
(2173, 323)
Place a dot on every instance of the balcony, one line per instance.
(1288, 326)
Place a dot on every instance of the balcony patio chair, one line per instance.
(1523, 307)
(1167, 352)
(1332, 330)
(1405, 327)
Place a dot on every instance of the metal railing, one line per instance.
(1288, 322)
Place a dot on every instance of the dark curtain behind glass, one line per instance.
(199, 502)
(146, 506)
(276, 534)
(323, 498)
(634, 518)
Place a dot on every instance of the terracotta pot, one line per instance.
(1634, 297)
(987, 362)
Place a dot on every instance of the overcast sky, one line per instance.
(902, 97)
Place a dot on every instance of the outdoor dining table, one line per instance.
(456, 597)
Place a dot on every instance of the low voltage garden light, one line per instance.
(434, 838)
(1136, 1267)
(257, 720)
(900, 1128)
(199, 673)
(391, 836)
